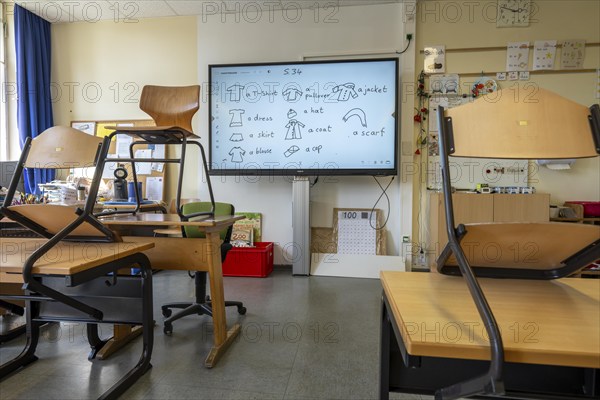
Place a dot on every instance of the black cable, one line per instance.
(407, 46)
(383, 193)
(315, 182)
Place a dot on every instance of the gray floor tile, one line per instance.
(302, 338)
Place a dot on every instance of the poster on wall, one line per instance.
(435, 60)
(544, 54)
(517, 56)
(572, 54)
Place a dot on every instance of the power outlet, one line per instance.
(405, 239)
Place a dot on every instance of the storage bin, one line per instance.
(250, 261)
(590, 208)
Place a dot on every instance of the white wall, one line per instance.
(234, 38)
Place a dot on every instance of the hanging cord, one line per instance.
(409, 37)
(383, 193)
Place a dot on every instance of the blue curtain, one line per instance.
(34, 106)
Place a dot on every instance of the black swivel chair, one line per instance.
(202, 305)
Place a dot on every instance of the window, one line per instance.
(3, 99)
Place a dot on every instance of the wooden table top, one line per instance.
(146, 219)
(542, 322)
(66, 258)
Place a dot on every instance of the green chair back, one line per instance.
(200, 206)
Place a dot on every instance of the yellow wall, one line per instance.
(14, 149)
(472, 24)
(118, 59)
(99, 69)
(468, 24)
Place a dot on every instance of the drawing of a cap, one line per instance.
(291, 113)
(293, 149)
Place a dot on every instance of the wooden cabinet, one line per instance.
(470, 208)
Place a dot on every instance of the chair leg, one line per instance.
(27, 356)
(143, 364)
(15, 332)
(94, 340)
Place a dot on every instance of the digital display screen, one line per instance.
(308, 118)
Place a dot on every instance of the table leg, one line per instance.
(123, 334)
(384, 354)
(222, 337)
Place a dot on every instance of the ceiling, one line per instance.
(59, 11)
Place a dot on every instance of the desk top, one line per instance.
(66, 258)
(542, 322)
(145, 219)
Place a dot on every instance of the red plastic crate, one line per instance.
(590, 208)
(250, 261)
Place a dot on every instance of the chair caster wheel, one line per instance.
(168, 330)
(166, 312)
(242, 310)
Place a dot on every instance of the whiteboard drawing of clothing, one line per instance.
(236, 117)
(235, 92)
(294, 130)
(237, 137)
(237, 154)
(343, 92)
(292, 94)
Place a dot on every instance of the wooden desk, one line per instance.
(186, 254)
(76, 272)
(550, 329)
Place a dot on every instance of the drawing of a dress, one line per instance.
(294, 130)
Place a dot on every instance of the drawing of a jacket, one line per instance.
(343, 92)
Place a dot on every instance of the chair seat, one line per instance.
(537, 246)
(144, 130)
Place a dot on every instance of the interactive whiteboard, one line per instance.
(310, 118)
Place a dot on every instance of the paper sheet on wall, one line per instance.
(444, 84)
(544, 54)
(158, 152)
(123, 142)
(572, 54)
(109, 168)
(435, 59)
(154, 188)
(517, 56)
(143, 168)
(87, 127)
(355, 233)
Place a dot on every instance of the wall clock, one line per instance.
(513, 13)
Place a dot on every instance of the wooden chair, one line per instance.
(70, 273)
(172, 109)
(202, 305)
(547, 126)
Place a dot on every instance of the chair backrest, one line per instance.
(173, 204)
(171, 105)
(220, 210)
(62, 147)
(542, 126)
